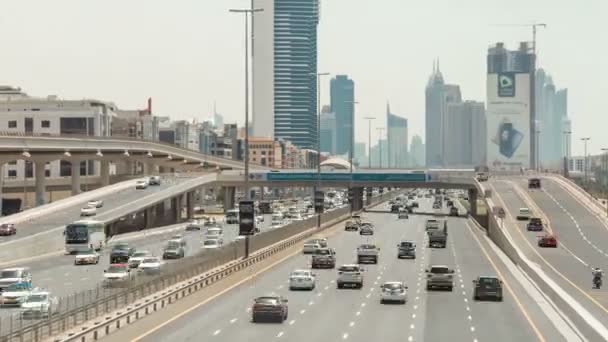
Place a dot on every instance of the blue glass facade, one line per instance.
(342, 93)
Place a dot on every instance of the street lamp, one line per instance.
(380, 130)
(318, 187)
(538, 167)
(352, 146)
(586, 163)
(566, 151)
(369, 144)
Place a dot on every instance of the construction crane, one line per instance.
(534, 26)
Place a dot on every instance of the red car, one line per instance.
(7, 229)
(547, 240)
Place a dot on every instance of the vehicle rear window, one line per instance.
(392, 286)
(149, 261)
(406, 244)
(349, 269)
(322, 252)
(10, 274)
(367, 246)
(488, 281)
(210, 242)
(441, 270)
(267, 300)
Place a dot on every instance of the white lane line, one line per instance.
(351, 324)
(367, 296)
(232, 321)
(66, 274)
(248, 309)
(279, 287)
(292, 322)
(358, 313)
(412, 326)
(280, 334)
(410, 339)
(319, 294)
(326, 287)
(472, 329)
(345, 336)
(311, 302)
(68, 284)
(415, 307)
(217, 332)
(84, 279)
(302, 311)
(413, 315)
(362, 305)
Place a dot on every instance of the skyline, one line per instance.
(132, 60)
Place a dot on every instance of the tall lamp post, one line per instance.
(538, 167)
(380, 131)
(566, 151)
(369, 144)
(318, 187)
(350, 152)
(585, 162)
(247, 37)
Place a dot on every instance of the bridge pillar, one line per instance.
(229, 193)
(190, 204)
(160, 213)
(149, 168)
(75, 167)
(357, 199)
(149, 217)
(40, 182)
(473, 202)
(129, 167)
(105, 173)
(368, 196)
(176, 207)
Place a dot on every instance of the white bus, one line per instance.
(84, 234)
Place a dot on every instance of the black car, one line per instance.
(395, 208)
(272, 308)
(453, 211)
(487, 287)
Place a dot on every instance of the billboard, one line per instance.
(508, 121)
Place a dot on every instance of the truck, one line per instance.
(367, 253)
(437, 239)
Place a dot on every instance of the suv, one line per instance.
(269, 307)
(173, 250)
(7, 229)
(154, 180)
(403, 213)
(39, 304)
(535, 224)
(350, 275)
(437, 239)
(366, 229)
(9, 276)
(524, 214)
(367, 253)
(439, 276)
(323, 258)
(406, 249)
(487, 287)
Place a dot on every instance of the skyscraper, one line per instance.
(552, 115)
(284, 68)
(360, 155)
(397, 139)
(417, 158)
(328, 131)
(342, 93)
(465, 139)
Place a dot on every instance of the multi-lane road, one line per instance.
(582, 238)
(329, 314)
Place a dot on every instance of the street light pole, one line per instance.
(586, 162)
(318, 187)
(538, 167)
(380, 130)
(566, 152)
(369, 144)
(351, 152)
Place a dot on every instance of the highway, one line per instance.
(582, 238)
(329, 314)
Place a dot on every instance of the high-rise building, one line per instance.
(218, 119)
(380, 154)
(342, 93)
(397, 137)
(552, 115)
(328, 131)
(465, 139)
(284, 64)
(417, 149)
(360, 155)
(437, 96)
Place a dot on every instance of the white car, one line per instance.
(15, 294)
(89, 210)
(212, 244)
(150, 265)
(137, 258)
(39, 304)
(302, 279)
(86, 257)
(95, 203)
(142, 184)
(310, 247)
(117, 273)
(393, 291)
(214, 233)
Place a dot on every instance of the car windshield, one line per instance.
(6, 225)
(393, 286)
(10, 274)
(120, 246)
(140, 254)
(442, 270)
(349, 269)
(87, 251)
(172, 245)
(488, 281)
(300, 273)
(150, 261)
(210, 242)
(18, 287)
(214, 232)
(117, 269)
(37, 298)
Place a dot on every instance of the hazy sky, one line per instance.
(186, 54)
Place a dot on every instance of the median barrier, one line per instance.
(102, 310)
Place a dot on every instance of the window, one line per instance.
(263, 153)
(14, 162)
(45, 124)
(29, 169)
(12, 124)
(12, 173)
(47, 173)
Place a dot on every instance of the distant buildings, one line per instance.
(397, 139)
(417, 151)
(465, 139)
(360, 155)
(328, 131)
(284, 68)
(552, 115)
(342, 93)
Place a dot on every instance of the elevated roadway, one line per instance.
(582, 237)
(329, 314)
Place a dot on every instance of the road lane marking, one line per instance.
(351, 324)
(292, 322)
(302, 311)
(280, 334)
(217, 332)
(358, 313)
(345, 336)
(233, 320)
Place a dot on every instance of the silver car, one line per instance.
(440, 276)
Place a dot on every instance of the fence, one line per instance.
(92, 304)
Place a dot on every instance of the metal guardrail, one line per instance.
(95, 303)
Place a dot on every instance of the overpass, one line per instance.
(43, 149)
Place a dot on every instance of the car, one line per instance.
(534, 183)
(323, 258)
(95, 203)
(524, 214)
(141, 184)
(137, 258)
(440, 276)
(270, 307)
(179, 238)
(214, 234)
(415, 204)
(87, 256)
(7, 229)
(396, 207)
(212, 244)
(9, 276)
(310, 246)
(403, 214)
(321, 241)
(350, 275)
(366, 230)
(367, 253)
(547, 240)
(193, 225)
(406, 249)
(535, 225)
(154, 180)
(454, 211)
(150, 265)
(437, 239)
(436, 205)
(487, 287)
(39, 304)
(173, 250)
(15, 294)
(117, 273)
(351, 225)
(393, 291)
(302, 280)
(89, 210)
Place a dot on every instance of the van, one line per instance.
(524, 214)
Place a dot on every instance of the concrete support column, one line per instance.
(1, 184)
(149, 168)
(357, 199)
(149, 217)
(129, 166)
(75, 166)
(40, 182)
(368, 196)
(473, 202)
(229, 193)
(190, 205)
(176, 207)
(105, 172)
